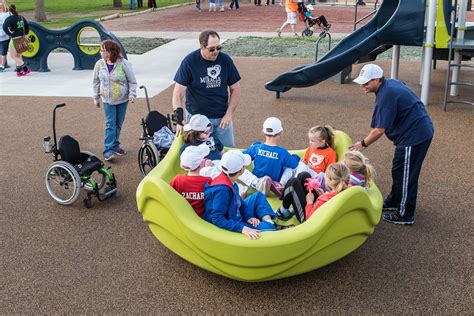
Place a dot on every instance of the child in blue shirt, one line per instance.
(226, 209)
(271, 160)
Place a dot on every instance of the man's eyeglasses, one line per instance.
(103, 50)
(213, 49)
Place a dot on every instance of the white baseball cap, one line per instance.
(272, 126)
(198, 122)
(310, 7)
(192, 156)
(233, 160)
(369, 72)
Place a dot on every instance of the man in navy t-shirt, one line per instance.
(401, 116)
(211, 83)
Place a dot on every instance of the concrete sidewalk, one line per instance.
(155, 69)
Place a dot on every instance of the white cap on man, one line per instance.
(234, 160)
(272, 126)
(198, 122)
(369, 72)
(192, 156)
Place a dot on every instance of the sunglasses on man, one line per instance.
(213, 49)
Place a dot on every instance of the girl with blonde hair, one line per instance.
(362, 172)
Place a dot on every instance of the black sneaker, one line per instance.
(395, 218)
(283, 214)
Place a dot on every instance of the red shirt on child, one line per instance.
(323, 198)
(192, 189)
(319, 159)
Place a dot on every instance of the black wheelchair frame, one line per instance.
(149, 155)
(73, 169)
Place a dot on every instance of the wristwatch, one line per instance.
(362, 142)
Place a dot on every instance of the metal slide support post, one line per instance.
(457, 56)
(428, 52)
(395, 62)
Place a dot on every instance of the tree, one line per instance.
(117, 3)
(40, 13)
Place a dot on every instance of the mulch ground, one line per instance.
(59, 259)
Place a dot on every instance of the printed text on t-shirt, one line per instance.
(268, 154)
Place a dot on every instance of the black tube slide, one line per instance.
(397, 22)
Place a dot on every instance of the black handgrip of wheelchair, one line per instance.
(60, 105)
(178, 116)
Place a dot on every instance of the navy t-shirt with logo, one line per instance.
(399, 110)
(207, 83)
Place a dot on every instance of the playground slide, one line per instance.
(397, 22)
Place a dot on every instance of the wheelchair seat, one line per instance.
(154, 122)
(71, 152)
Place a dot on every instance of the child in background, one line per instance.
(271, 160)
(198, 131)
(362, 172)
(212, 5)
(301, 196)
(191, 185)
(226, 209)
(320, 153)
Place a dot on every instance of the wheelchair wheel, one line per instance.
(148, 158)
(307, 32)
(63, 182)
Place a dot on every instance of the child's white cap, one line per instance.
(198, 122)
(369, 72)
(192, 156)
(233, 160)
(272, 126)
(310, 7)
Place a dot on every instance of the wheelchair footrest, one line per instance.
(108, 192)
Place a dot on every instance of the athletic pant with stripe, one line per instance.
(406, 167)
(294, 194)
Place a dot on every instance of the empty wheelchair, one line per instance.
(154, 148)
(73, 170)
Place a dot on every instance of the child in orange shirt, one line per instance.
(320, 153)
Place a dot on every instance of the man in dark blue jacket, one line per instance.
(401, 116)
(226, 209)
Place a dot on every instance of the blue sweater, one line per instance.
(223, 205)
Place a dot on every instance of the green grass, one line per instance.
(63, 13)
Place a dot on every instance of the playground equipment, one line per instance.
(43, 41)
(396, 22)
(339, 227)
(74, 169)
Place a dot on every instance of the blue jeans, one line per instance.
(114, 117)
(260, 207)
(225, 135)
(220, 3)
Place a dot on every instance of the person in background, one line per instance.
(211, 83)
(4, 38)
(14, 26)
(114, 82)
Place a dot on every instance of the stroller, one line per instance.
(305, 16)
(157, 137)
(73, 169)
